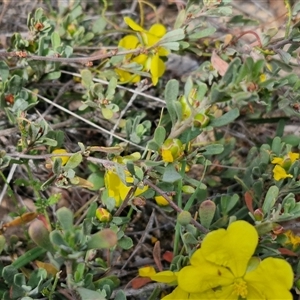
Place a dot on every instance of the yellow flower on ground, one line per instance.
(117, 189)
(223, 268)
(283, 164)
(151, 61)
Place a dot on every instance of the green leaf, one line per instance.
(97, 179)
(74, 161)
(228, 202)
(170, 174)
(111, 89)
(202, 33)
(171, 94)
(172, 36)
(55, 40)
(28, 257)
(89, 294)
(213, 149)
(99, 25)
(181, 17)
(276, 145)
(159, 135)
(86, 78)
(107, 113)
(225, 119)
(270, 199)
(65, 218)
(4, 70)
(125, 243)
(103, 239)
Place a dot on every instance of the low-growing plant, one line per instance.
(165, 151)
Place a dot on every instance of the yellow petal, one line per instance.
(125, 76)
(157, 68)
(160, 200)
(129, 42)
(149, 39)
(203, 275)
(277, 160)
(272, 279)
(293, 156)
(158, 30)
(280, 173)
(64, 159)
(133, 25)
(165, 277)
(115, 187)
(140, 59)
(147, 271)
(163, 51)
(231, 248)
(177, 294)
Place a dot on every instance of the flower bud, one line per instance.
(258, 214)
(201, 120)
(103, 215)
(206, 212)
(171, 150)
(185, 108)
(184, 218)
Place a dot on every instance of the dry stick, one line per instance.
(141, 87)
(125, 202)
(82, 60)
(142, 239)
(173, 205)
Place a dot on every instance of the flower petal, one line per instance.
(133, 25)
(203, 275)
(157, 68)
(272, 279)
(127, 77)
(280, 173)
(165, 277)
(231, 248)
(293, 156)
(147, 271)
(158, 30)
(129, 42)
(277, 160)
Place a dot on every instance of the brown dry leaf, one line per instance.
(156, 256)
(51, 270)
(219, 64)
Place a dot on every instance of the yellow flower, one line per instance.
(117, 189)
(160, 200)
(283, 164)
(151, 62)
(64, 159)
(147, 271)
(292, 239)
(280, 173)
(223, 269)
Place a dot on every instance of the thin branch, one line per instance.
(120, 87)
(173, 205)
(141, 87)
(85, 120)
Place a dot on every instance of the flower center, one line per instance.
(240, 287)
